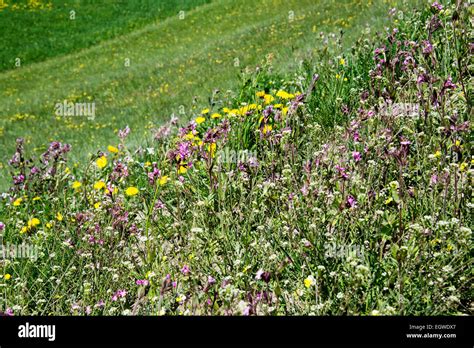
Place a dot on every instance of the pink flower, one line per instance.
(142, 282)
(119, 294)
(437, 6)
(356, 156)
(351, 202)
(185, 270)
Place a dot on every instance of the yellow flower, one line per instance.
(338, 76)
(17, 202)
(163, 180)
(458, 143)
(389, 200)
(284, 111)
(76, 185)
(112, 149)
(342, 61)
(215, 115)
(260, 94)
(99, 185)
(309, 281)
(101, 162)
(267, 128)
(182, 170)
(59, 216)
(278, 106)
(226, 110)
(131, 191)
(205, 111)
(147, 164)
(36, 198)
(34, 222)
(268, 98)
(67, 170)
(49, 225)
(211, 148)
(189, 136)
(31, 224)
(285, 95)
(437, 154)
(97, 205)
(200, 119)
(7, 276)
(463, 166)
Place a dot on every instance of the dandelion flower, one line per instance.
(101, 162)
(268, 98)
(267, 128)
(163, 180)
(59, 216)
(205, 111)
(34, 222)
(309, 281)
(131, 191)
(7, 276)
(76, 185)
(97, 205)
(182, 170)
(17, 202)
(99, 185)
(260, 94)
(285, 95)
(200, 119)
(112, 149)
(215, 115)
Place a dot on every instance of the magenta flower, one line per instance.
(351, 202)
(119, 294)
(342, 172)
(448, 84)
(142, 282)
(427, 47)
(2, 226)
(356, 156)
(185, 270)
(211, 280)
(437, 6)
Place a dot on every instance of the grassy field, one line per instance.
(175, 65)
(53, 28)
(327, 176)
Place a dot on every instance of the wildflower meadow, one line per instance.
(298, 158)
